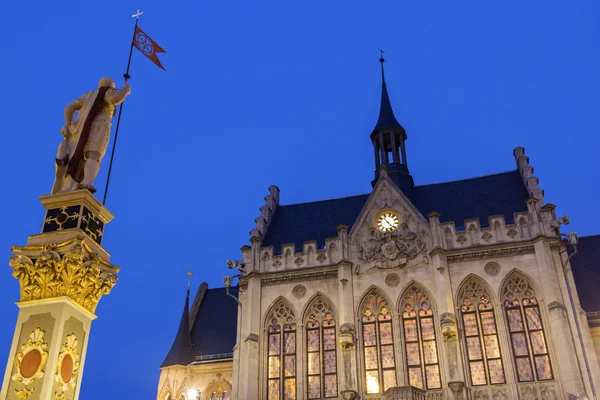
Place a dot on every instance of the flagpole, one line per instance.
(126, 76)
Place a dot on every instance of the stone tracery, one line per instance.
(281, 352)
(481, 334)
(527, 335)
(321, 349)
(420, 339)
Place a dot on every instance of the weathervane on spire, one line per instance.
(189, 274)
(381, 59)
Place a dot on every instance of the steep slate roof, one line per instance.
(586, 271)
(182, 352)
(214, 331)
(481, 197)
(386, 114)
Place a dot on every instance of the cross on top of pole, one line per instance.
(137, 14)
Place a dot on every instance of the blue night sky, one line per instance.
(285, 93)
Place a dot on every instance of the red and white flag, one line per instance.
(147, 46)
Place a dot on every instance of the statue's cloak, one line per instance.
(80, 128)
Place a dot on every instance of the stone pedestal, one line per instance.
(63, 272)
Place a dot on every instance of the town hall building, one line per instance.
(455, 290)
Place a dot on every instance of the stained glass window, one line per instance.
(281, 353)
(420, 343)
(378, 344)
(530, 350)
(481, 335)
(321, 353)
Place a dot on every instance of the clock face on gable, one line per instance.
(387, 221)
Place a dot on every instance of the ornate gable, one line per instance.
(389, 232)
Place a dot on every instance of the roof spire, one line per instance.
(388, 138)
(382, 60)
(182, 350)
(386, 114)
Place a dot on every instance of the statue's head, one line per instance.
(106, 82)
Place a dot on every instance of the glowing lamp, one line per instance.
(192, 394)
(372, 385)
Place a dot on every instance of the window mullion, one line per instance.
(379, 360)
(527, 333)
(421, 352)
(322, 358)
(282, 364)
(481, 334)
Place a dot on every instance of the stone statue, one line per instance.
(86, 139)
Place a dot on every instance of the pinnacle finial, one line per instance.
(189, 274)
(386, 115)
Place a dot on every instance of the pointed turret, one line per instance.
(182, 351)
(387, 119)
(388, 138)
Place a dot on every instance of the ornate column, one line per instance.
(446, 310)
(63, 273)
(347, 330)
(249, 333)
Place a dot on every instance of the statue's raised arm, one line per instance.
(118, 96)
(85, 139)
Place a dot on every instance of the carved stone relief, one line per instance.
(299, 291)
(487, 237)
(539, 391)
(77, 273)
(218, 389)
(392, 280)
(490, 394)
(346, 336)
(394, 248)
(492, 268)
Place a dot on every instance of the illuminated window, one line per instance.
(529, 347)
(378, 344)
(321, 351)
(481, 335)
(419, 337)
(281, 375)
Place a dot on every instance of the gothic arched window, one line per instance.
(378, 344)
(281, 374)
(419, 337)
(481, 335)
(321, 350)
(529, 347)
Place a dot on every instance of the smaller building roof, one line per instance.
(586, 272)
(214, 331)
(182, 351)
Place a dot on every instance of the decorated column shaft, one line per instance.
(63, 272)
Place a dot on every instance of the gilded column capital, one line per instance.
(68, 269)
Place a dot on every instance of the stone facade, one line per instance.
(423, 254)
(401, 301)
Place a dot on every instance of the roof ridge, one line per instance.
(468, 179)
(428, 184)
(323, 201)
(597, 235)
